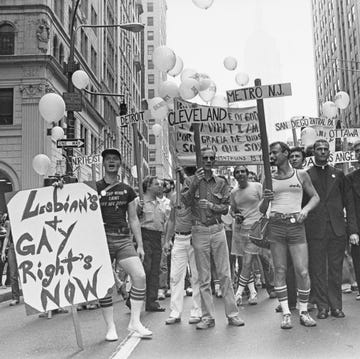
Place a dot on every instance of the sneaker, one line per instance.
(253, 299)
(14, 302)
(172, 320)
(111, 335)
(189, 292)
(161, 294)
(306, 320)
(358, 297)
(238, 299)
(194, 320)
(236, 321)
(168, 293)
(205, 323)
(286, 322)
(140, 331)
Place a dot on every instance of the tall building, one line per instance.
(154, 17)
(34, 44)
(336, 28)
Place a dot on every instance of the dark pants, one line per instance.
(291, 282)
(326, 258)
(14, 274)
(355, 254)
(152, 248)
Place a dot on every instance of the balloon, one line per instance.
(204, 81)
(203, 4)
(80, 79)
(57, 133)
(342, 100)
(168, 90)
(188, 73)
(230, 63)
(242, 78)
(134, 171)
(308, 136)
(189, 88)
(219, 101)
(41, 164)
(208, 94)
(329, 109)
(158, 108)
(164, 58)
(178, 67)
(52, 107)
(156, 129)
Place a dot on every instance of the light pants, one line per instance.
(206, 240)
(183, 253)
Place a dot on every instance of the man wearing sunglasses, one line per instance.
(209, 198)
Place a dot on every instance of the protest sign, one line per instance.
(334, 158)
(60, 246)
(305, 121)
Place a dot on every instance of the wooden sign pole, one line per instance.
(264, 140)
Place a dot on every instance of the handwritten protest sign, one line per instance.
(334, 158)
(60, 246)
(304, 121)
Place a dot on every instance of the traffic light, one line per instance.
(123, 109)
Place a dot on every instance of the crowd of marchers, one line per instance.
(196, 241)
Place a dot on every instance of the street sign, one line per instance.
(259, 92)
(75, 142)
(130, 118)
(86, 160)
(73, 101)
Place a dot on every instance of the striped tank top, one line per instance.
(288, 194)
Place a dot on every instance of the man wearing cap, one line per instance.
(209, 197)
(117, 201)
(327, 232)
(354, 178)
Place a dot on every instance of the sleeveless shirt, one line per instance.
(288, 194)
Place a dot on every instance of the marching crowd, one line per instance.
(198, 239)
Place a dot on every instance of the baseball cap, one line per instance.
(110, 151)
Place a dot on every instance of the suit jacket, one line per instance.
(354, 179)
(337, 197)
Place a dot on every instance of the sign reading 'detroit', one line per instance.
(60, 246)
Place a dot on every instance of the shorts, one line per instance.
(241, 243)
(120, 246)
(285, 232)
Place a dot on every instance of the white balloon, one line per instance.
(41, 164)
(242, 78)
(134, 171)
(158, 108)
(230, 63)
(342, 100)
(308, 136)
(164, 58)
(208, 94)
(329, 109)
(80, 79)
(203, 4)
(57, 133)
(52, 107)
(178, 67)
(219, 101)
(189, 88)
(188, 73)
(156, 129)
(168, 90)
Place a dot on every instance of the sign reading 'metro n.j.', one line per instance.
(259, 92)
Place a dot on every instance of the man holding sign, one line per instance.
(117, 204)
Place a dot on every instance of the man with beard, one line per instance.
(287, 231)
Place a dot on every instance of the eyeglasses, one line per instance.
(206, 158)
(240, 171)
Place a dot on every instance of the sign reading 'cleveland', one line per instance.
(60, 246)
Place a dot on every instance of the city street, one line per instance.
(260, 338)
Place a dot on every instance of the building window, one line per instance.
(84, 44)
(150, 21)
(150, 35)
(151, 139)
(93, 16)
(59, 9)
(152, 171)
(61, 53)
(152, 155)
(151, 79)
(6, 106)
(150, 6)
(55, 48)
(93, 60)
(150, 50)
(7, 39)
(150, 65)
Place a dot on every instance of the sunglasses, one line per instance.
(206, 158)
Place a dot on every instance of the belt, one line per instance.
(120, 230)
(208, 223)
(183, 233)
(283, 215)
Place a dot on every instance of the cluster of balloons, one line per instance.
(341, 101)
(241, 78)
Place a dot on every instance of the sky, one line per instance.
(271, 40)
